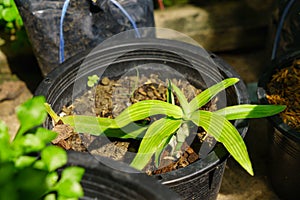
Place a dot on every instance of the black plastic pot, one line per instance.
(85, 25)
(285, 28)
(200, 180)
(284, 142)
(101, 182)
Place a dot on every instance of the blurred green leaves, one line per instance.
(28, 164)
(9, 14)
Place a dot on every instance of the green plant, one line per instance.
(28, 166)
(175, 123)
(92, 80)
(10, 20)
(9, 14)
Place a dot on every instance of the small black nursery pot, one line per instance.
(284, 141)
(199, 180)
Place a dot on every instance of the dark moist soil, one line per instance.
(108, 99)
(284, 89)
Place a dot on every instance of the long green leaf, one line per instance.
(205, 96)
(98, 126)
(156, 133)
(132, 130)
(181, 98)
(249, 111)
(160, 149)
(144, 109)
(223, 131)
(87, 124)
(51, 112)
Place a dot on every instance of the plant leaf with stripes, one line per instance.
(161, 148)
(87, 124)
(98, 126)
(156, 133)
(223, 131)
(182, 99)
(249, 111)
(144, 109)
(205, 96)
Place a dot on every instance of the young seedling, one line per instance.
(92, 80)
(28, 166)
(175, 123)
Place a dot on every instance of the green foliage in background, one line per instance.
(28, 165)
(10, 20)
(9, 15)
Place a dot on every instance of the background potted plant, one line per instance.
(201, 179)
(280, 85)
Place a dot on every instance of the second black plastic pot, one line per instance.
(284, 142)
(101, 182)
(200, 180)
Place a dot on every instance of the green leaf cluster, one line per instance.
(28, 165)
(9, 14)
(92, 80)
(176, 123)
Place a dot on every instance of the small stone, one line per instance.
(11, 89)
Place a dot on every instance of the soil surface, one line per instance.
(284, 89)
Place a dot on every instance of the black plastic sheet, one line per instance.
(86, 24)
(289, 33)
